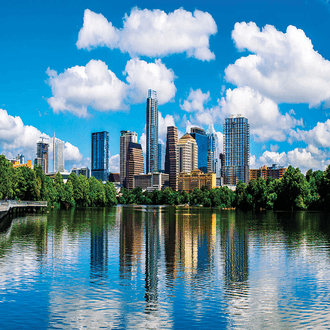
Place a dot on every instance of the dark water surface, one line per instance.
(165, 268)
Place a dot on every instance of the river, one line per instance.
(136, 267)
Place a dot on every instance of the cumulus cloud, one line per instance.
(15, 137)
(195, 101)
(151, 33)
(298, 157)
(114, 163)
(284, 66)
(143, 141)
(80, 87)
(266, 121)
(142, 76)
(319, 136)
(95, 86)
(163, 123)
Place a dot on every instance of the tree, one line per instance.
(110, 194)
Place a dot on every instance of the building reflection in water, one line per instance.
(99, 245)
(234, 243)
(152, 246)
(130, 241)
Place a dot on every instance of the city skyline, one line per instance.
(268, 62)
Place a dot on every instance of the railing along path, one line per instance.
(7, 205)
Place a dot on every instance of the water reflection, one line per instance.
(165, 267)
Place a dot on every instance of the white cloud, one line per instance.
(163, 123)
(72, 153)
(15, 137)
(80, 87)
(142, 76)
(143, 141)
(114, 163)
(151, 33)
(97, 87)
(284, 66)
(319, 136)
(195, 101)
(266, 121)
(298, 157)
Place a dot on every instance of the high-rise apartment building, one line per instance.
(134, 163)
(236, 147)
(213, 147)
(161, 157)
(152, 132)
(202, 142)
(125, 138)
(171, 167)
(42, 155)
(187, 154)
(58, 155)
(100, 155)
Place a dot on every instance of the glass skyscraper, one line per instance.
(58, 155)
(214, 152)
(152, 132)
(100, 155)
(202, 142)
(236, 148)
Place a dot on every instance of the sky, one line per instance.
(72, 68)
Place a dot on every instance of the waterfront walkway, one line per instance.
(10, 205)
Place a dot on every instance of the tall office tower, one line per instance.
(171, 167)
(58, 155)
(210, 163)
(125, 138)
(134, 163)
(161, 157)
(42, 155)
(152, 132)
(100, 155)
(236, 147)
(187, 154)
(213, 147)
(202, 141)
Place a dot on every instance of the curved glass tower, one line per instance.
(152, 132)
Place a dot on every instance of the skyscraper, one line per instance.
(58, 155)
(236, 147)
(213, 147)
(100, 155)
(187, 154)
(152, 132)
(202, 142)
(171, 167)
(134, 163)
(42, 155)
(125, 138)
(161, 157)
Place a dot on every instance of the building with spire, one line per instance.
(152, 132)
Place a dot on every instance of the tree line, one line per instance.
(294, 191)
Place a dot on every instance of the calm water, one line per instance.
(165, 268)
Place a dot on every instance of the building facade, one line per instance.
(202, 142)
(161, 157)
(152, 132)
(275, 172)
(171, 167)
(213, 148)
(82, 170)
(42, 156)
(196, 179)
(100, 155)
(58, 155)
(134, 163)
(152, 181)
(187, 154)
(125, 138)
(236, 148)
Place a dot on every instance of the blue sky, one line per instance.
(74, 68)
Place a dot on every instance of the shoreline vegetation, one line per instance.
(294, 191)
